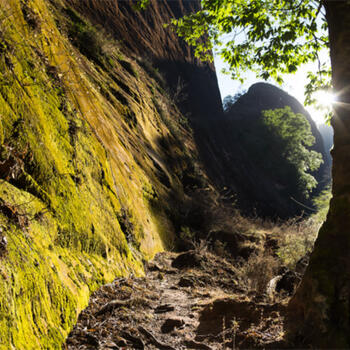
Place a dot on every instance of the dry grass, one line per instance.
(296, 239)
(259, 249)
(256, 273)
(272, 245)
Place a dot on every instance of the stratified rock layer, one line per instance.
(94, 153)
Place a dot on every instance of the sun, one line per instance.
(322, 108)
(324, 98)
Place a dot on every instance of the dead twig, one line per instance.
(154, 340)
(114, 304)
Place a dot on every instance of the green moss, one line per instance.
(80, 158)
(1, 134)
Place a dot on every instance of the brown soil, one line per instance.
(196, 305)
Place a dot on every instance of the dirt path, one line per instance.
(186, 301)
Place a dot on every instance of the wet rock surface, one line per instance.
(198, 305)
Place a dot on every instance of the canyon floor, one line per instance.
(191, 300)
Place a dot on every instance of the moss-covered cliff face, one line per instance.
(94, 151)
(192, 83)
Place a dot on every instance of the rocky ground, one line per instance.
(192, 300)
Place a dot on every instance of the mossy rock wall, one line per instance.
(91, 155)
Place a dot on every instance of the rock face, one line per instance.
(96, 152)
(321, 304)
(192, 83)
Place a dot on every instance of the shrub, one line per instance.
(321, 202)
(296, 240)
(258, 271)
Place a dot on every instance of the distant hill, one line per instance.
(240, 166)
(262, 96)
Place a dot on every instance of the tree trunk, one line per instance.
(319, 313)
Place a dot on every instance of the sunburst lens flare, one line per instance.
(325, 98)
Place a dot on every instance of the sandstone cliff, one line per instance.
(95, 149)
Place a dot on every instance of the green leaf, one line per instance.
(279, 35)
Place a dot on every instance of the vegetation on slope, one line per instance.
(278, 139)
(290, 134)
